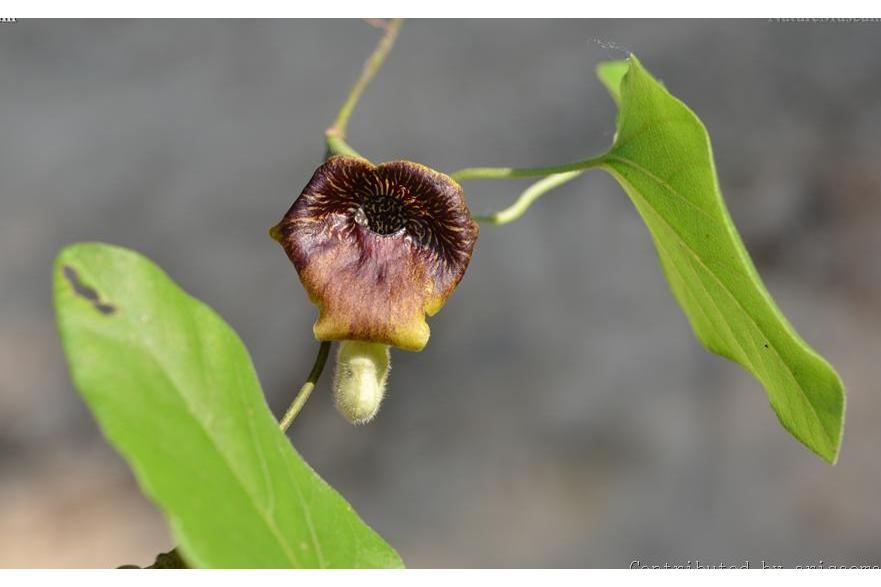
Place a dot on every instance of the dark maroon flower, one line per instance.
(378, 247)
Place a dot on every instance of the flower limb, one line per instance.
(336, 134)
(306, 389)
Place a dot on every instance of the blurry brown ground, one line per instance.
(563, 414)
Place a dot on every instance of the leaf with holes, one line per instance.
(174, 390)
(662, 158)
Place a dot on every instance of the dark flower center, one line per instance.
(382, 214)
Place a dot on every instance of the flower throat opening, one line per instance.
(381, 214)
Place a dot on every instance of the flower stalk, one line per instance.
(306, 388)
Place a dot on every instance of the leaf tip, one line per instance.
(841, 413)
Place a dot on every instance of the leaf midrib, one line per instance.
(306, 512)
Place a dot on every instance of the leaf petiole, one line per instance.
(518, 172)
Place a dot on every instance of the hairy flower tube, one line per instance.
(377, 248)
(359, 382)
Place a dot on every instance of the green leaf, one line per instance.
(662, 158)
(174, 390)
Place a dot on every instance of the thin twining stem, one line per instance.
(336, 134)
(339, 146)
(516, 172)
(306, 389)
(529, 195)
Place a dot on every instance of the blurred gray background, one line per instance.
(563, 414)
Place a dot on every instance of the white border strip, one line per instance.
(840, 11)
(434, 578)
